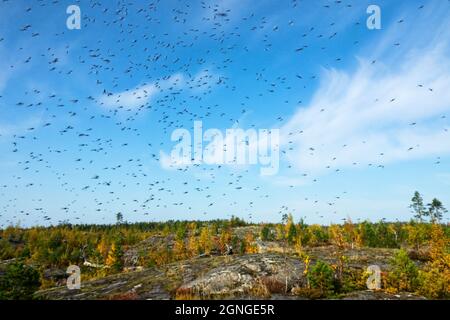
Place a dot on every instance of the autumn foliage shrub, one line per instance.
(19, 282)
(403, 275)
(435, 277)
(321, 277)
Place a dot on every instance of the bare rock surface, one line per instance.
(243, 273)
(209, 276)
(269, 275)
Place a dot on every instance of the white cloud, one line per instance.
(143, 94)
(21, 127)
(169, 162)
(166, 161)
(203, 81)
(129, 99)
(353, 118)
(140, 95)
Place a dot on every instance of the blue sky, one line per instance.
(85, 114)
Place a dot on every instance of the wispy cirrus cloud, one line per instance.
(21, 127)
(140, 95)
(143, 94)
(377, 114)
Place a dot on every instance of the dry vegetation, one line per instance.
(193, 260)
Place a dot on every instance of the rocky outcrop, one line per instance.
(221, 276)
(245, 273)
(252, 276)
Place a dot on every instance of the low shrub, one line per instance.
(403, 275)
(321, 277)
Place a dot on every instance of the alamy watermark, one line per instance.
(235, 147)
(74, 280)
(73, 22)
(374, 280)
(374, 20)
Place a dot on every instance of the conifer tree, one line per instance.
(436, 210)
(290, 230)
(418, 207)
(205, 240)
(115, 257)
